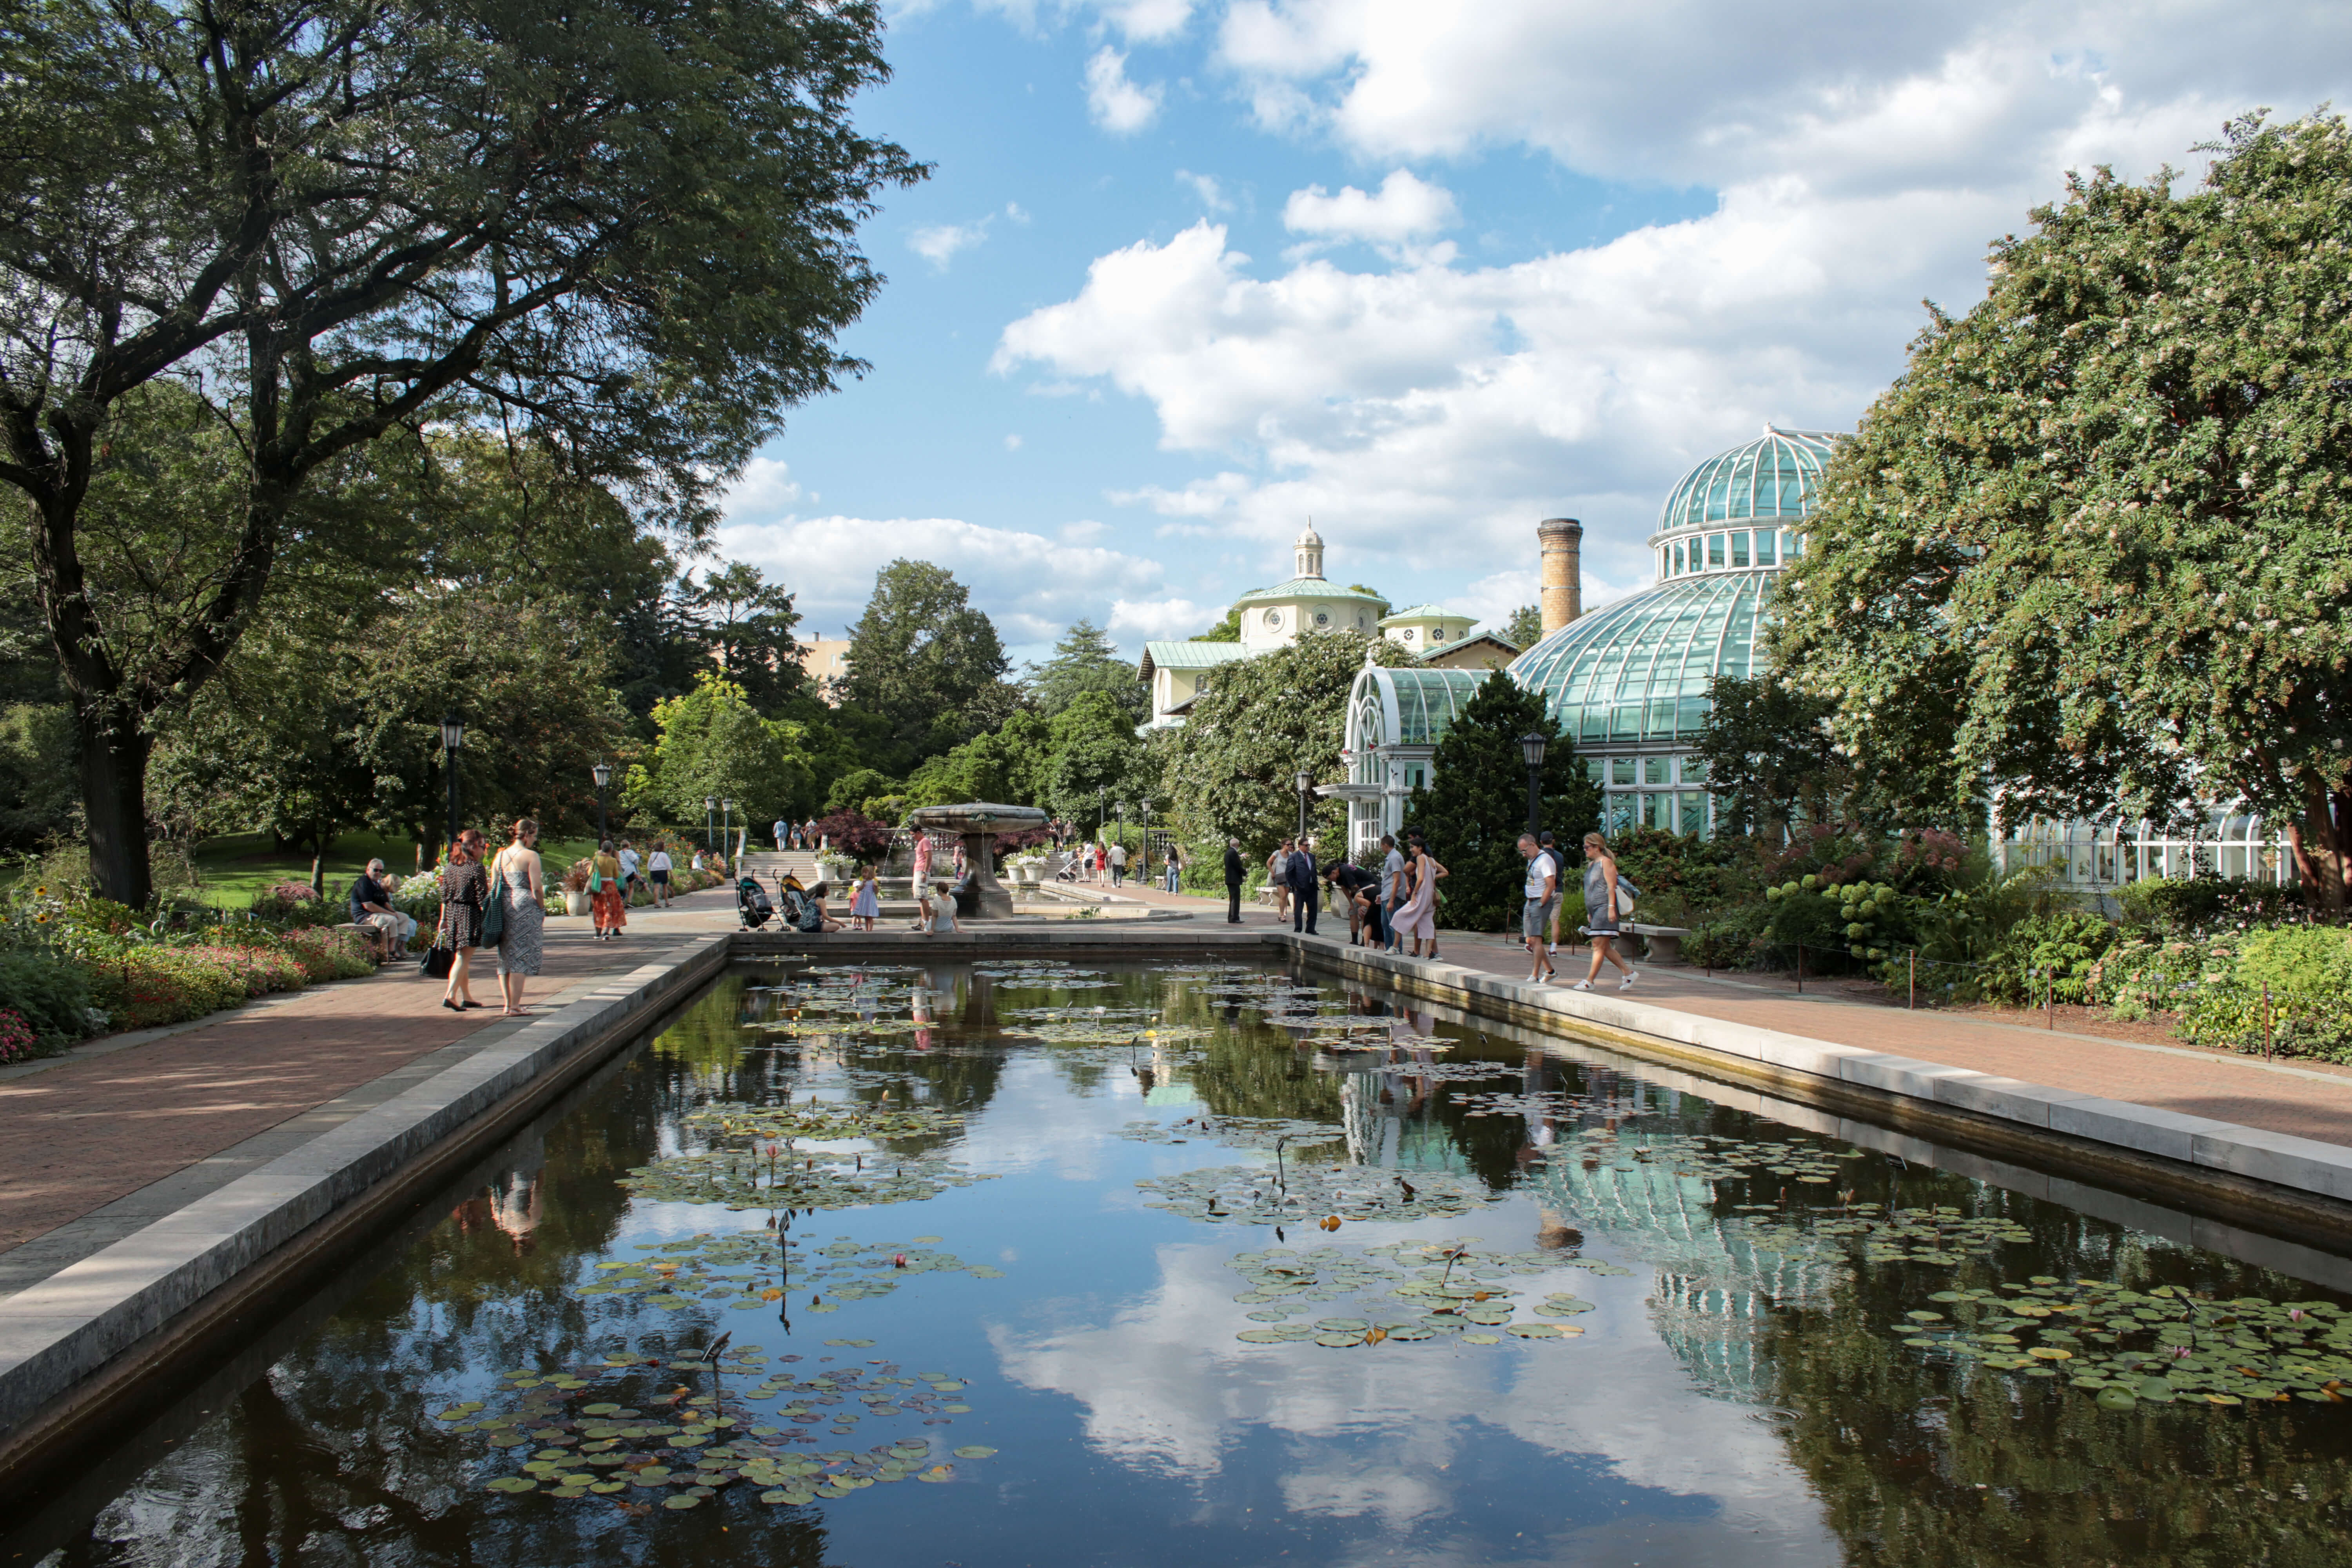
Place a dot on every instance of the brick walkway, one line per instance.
(83, 1134)
(2309, 1102)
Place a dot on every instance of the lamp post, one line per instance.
(726, 828)
(1102, 809)
(1532, 745)
(453, 736)
(1122, 824)
(1306, 781)
(603, 773)
(1147, 841)
(709, 814)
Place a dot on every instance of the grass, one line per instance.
(236, 866)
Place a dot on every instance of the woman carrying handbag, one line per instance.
(521, 900)
(1608, 898)
(463, 891)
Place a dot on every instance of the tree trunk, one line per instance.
(114, 752)
(2323, 860)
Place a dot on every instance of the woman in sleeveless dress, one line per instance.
(1418, 917)
(462, 886)
(605, 900)
(519, 941)
(1601, 922)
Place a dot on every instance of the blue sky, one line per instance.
(1189, 273)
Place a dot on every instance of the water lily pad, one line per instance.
(974, 1451)
(1482, 1338)
(683, 1499)
(514, 1484)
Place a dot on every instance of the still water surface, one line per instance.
(1612, 1321)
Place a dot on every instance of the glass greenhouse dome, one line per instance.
(1628, 682)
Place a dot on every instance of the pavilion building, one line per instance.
(1176, 673)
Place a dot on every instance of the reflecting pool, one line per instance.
(1019, 1263)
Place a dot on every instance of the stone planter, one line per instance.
(577, 903)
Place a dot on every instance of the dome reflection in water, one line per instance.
(1143, 1265)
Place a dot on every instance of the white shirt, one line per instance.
(1118, 853)
(658, 861)
(1540, 872)
(628, 862)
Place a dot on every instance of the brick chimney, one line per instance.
(1562, 542)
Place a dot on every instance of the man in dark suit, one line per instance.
(1233, 872)
(1304, 894)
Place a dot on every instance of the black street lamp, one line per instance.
(1122, 824)
(453, 736)
(726, 821)
(1146, 873)
(1102, 809)
(1306, 781)
(603, 773)
(709, 814)
(1532, 745)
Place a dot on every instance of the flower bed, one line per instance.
(71, 968)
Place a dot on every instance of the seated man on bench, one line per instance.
(372, 911)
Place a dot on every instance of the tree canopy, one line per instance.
(2095, 542)
(1475, 806)
(926, 663)
(1524, 628)
(623, 235)
(1767, 755)
(1230, 771)
(1086, 659)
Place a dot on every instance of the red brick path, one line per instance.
(84, 1133)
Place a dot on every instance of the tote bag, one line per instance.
(494, 905)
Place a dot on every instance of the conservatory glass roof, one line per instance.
(1638, 670)
(1429, 700)
(1777, 475)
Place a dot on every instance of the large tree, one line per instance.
(623, 232)
(926, 663)
(1230, 772)
(1768, 756)
(747, 624)
(1086, 659)
(2095, 543)
(1475, 805)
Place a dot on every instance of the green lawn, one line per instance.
(235, 869)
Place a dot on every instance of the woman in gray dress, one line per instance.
(1600, 887)
(517, 867)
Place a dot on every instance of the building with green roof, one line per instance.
(1178, 672)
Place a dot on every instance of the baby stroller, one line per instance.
(751, 904)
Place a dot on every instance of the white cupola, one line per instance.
(1308, 549)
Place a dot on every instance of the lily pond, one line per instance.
(1020, 1263)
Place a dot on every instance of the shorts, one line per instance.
(1535, 916)
(661, 878)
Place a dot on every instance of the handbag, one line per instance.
(436, 962)
(494, 908)
(1625, 893)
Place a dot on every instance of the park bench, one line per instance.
(1665, 943)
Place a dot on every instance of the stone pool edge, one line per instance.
(68, 1343)
(2297, 1182)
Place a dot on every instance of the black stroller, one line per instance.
(751, 904)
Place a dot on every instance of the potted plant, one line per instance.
(575, 888)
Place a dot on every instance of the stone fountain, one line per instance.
(978, 824)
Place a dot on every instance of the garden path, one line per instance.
(106, 1141)
(2308, 1101)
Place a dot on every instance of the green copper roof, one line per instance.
(1638, 670)
(1191, 654)
(1776, 476)
(1423, 613)
(1305, 588)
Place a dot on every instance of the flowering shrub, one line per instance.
(19, 1043)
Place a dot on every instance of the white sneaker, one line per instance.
(1582, 985)
(1627, 983)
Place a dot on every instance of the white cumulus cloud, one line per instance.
(1117, 104)
(1403, 208)
(1435, 411)
(938, 243)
